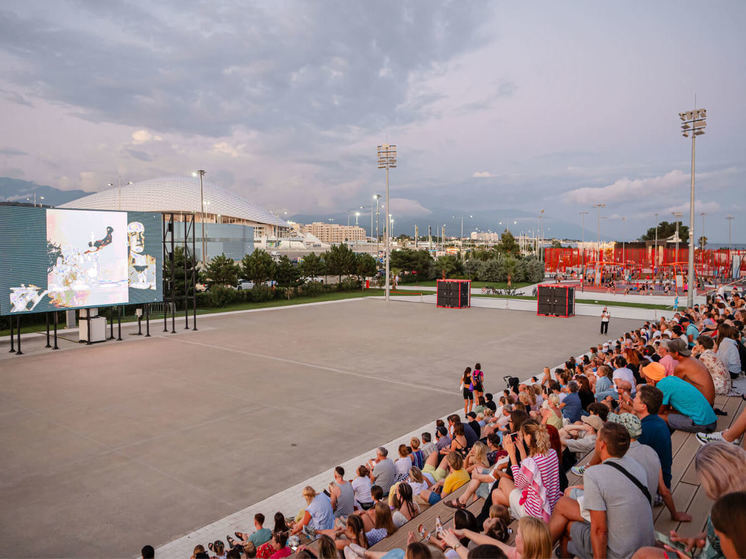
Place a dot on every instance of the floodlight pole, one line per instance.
(582, 233)
(386, 160)
(655, 254)
(692, 122)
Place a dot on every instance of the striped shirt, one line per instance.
(548, 466)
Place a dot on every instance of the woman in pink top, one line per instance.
(535, 488)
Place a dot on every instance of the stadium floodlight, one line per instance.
(598, 207)
(694, 123)
(119, 191)
(387, 160)
(201, 173)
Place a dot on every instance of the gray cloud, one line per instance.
(12, 151)
(180, 68)
(141, 155)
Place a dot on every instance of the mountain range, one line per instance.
(17, 190)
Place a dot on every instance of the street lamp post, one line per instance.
(598, 207)
(201, 173)
(582, 234)
(692, 122)
(377, 198)
(730, 239)
(387, 160)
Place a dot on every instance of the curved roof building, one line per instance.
(181, 195)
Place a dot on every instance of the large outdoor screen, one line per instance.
(55, 259)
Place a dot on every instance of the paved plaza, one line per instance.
(111, 446)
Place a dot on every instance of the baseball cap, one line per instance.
(630, 421)
(654, 371)
(677, 345)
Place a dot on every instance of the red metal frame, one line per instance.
(468, 291)
(567, 300)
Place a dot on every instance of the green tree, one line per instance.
(449, 265)
(365, 265)
(222, 271)
(508, 244)
(287, 273)
(472, 269)
(258, 267)
(340, 260)
(556, 244)
(179, 262)
(418, 262)
(312, 266)
(665, 230)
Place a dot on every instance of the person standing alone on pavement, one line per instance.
(605, 316)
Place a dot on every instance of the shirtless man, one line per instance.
(691, 370)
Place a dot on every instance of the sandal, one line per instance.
(209, 546)
(455, 504)
(231, 541)
(239, 535)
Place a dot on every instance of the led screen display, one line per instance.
(57, 259)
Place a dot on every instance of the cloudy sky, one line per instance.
(494, 105)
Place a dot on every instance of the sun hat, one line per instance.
(654, 371)
(593, 420)
(630, 421)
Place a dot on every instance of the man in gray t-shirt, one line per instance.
(621, 515)
(383, 471)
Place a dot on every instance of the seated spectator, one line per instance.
(686, 407)
(604, 386)
(382, 470)
(534, 489)
(715, 367)
(586, 395)
(668, 362)
(319, 514)
(532, 541)
(428, 447)
(471, 436)
(450, 475)
(402, 464)
(728, 517)
(458, 441)
(572, 407)
(551, 414)
(361, 486)
(581, 437)
(405, 508)
(489, 402)
(418, 459)
(655, 431)
(442, 440)
(612, 499)
(260, 536)
(719, 468)
(648, 459)
(473, 423)
(383, 524)
(342, 494)
(691, 370)
(727, 349)
(622, 377)
(353, 532)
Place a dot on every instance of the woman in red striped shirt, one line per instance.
(535, 487)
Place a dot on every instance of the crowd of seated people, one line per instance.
(617, 405)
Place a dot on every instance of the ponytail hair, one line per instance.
(539, 442)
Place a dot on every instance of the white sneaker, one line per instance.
(704, 438)
(579, 470)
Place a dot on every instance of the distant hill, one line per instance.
(17, 190)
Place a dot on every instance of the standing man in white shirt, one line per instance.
(605, 316)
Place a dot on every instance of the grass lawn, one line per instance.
(590, 302)
(474, 284)
(334, 296)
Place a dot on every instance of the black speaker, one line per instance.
(453, 293)
(555, 300)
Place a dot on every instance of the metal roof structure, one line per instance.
(177, 195)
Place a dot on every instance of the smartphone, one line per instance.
(663, 538)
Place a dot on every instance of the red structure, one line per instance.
(454, 293)
(707, 263)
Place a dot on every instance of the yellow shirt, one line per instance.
(455, 480)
